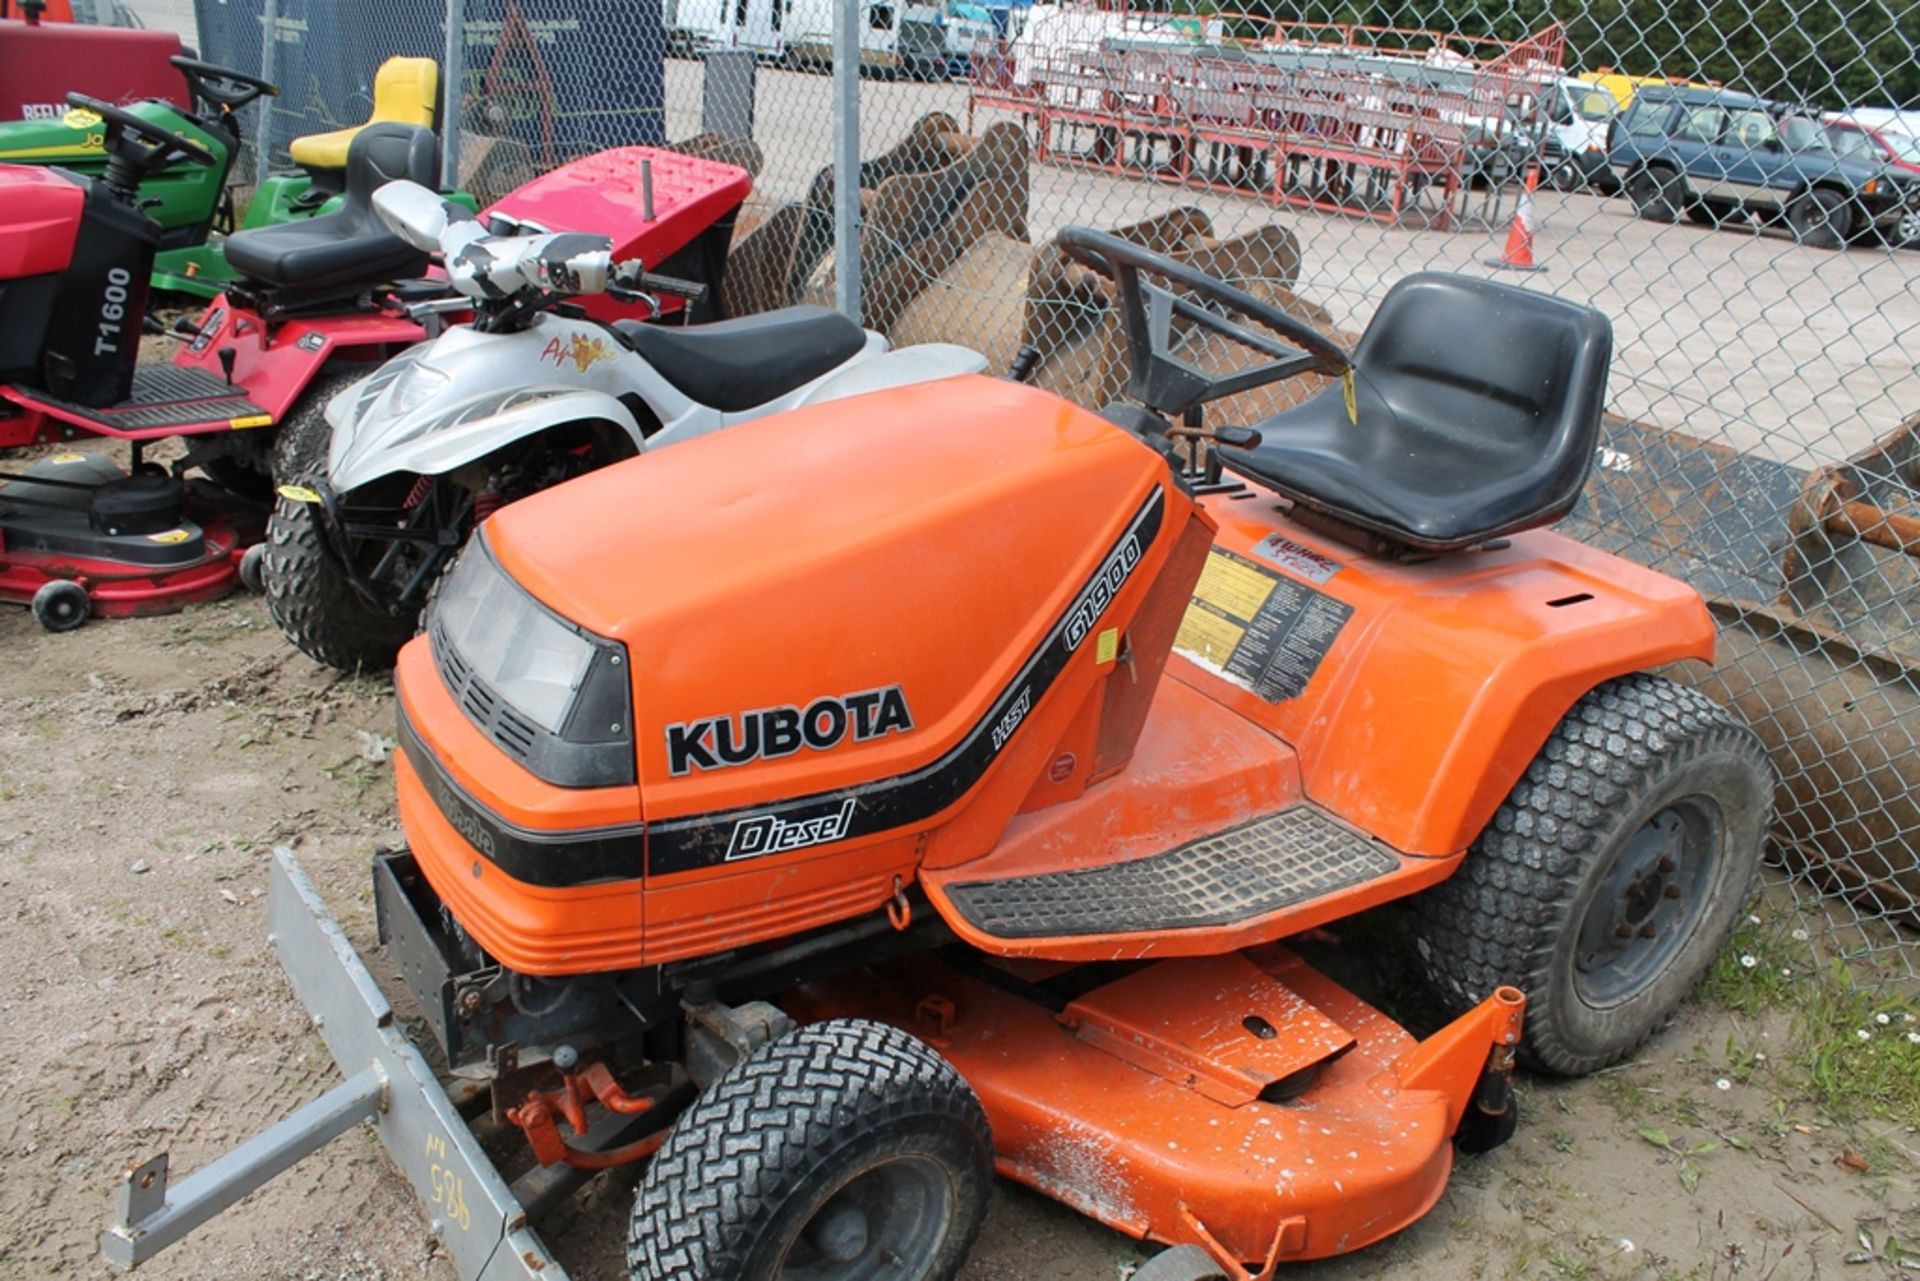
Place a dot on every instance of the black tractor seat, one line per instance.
(1478, 407)
(350, 246)
(731, 365)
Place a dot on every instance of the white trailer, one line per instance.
(697, 25)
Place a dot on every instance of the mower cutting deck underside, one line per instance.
(1128, 1101)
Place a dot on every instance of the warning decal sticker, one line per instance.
(1258, 629)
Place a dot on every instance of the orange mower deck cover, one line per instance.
(836, 619)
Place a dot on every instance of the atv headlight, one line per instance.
(420, 383)
(551, 693)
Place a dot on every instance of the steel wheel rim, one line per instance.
(886, 1221)
(1650, 901)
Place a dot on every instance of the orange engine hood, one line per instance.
(837, 595)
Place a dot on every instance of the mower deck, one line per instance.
(1245, 1103)
(1242, 1103)
(166, 400)
(50, 533)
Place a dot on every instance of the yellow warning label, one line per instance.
(1260, 630)
(251, 420)
(169, 536)
(1107, 646)
(1207, 636)
(1353, 405)
(1235, 588)
(68, 458)
(298, 494)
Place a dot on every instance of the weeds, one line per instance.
(1853, 1045)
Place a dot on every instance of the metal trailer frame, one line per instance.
(475, 1214)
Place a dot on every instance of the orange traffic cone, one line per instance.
(1518, 255)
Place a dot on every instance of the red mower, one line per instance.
(323, 301)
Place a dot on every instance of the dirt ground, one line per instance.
(148, 767)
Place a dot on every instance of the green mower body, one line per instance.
(192, 203)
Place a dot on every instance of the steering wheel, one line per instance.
(1159, 379)
(135, 145)
(219, 86)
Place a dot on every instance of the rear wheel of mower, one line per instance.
(61, 605)
(845, 1150)
(308, 593)
(1611, 875)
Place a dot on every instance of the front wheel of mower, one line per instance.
(844, 1150)
(61, 605)
(1611, 875)
(308, 593)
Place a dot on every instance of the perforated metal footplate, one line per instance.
(1236, 875)
(166, 396)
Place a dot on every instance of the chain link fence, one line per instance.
(1737, 185)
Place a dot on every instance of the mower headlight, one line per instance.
(524, 654)
(555, 696)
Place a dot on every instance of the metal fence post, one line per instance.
(263, 129)
(452, 90)
(846, 156)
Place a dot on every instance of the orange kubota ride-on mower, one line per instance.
(837, 808)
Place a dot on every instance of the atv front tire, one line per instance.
(846, 1149)
(1611, 875)
(308, 592)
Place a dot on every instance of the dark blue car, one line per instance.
(1717, 156)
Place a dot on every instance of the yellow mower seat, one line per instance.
(404, 92)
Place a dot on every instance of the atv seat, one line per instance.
(731, 365)
(404, 92)
(1477, 408)
(351, 245)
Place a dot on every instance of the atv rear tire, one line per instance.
(1610, 877)
(308, 593)
(847, 1145)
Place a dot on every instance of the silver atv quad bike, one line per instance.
(382, 491)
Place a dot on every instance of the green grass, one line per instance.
(1858, 1049)
(1853, 1046)
(1759, 969)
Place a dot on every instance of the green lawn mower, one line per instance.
(193, 203)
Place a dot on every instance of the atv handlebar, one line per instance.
(221, 86)
(632, 282)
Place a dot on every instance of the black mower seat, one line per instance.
(1478, 407)
(351, 245)
(731, 365)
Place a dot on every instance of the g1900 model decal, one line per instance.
(1093, 602)
(772, 732)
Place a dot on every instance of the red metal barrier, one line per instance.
(1376, 137)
